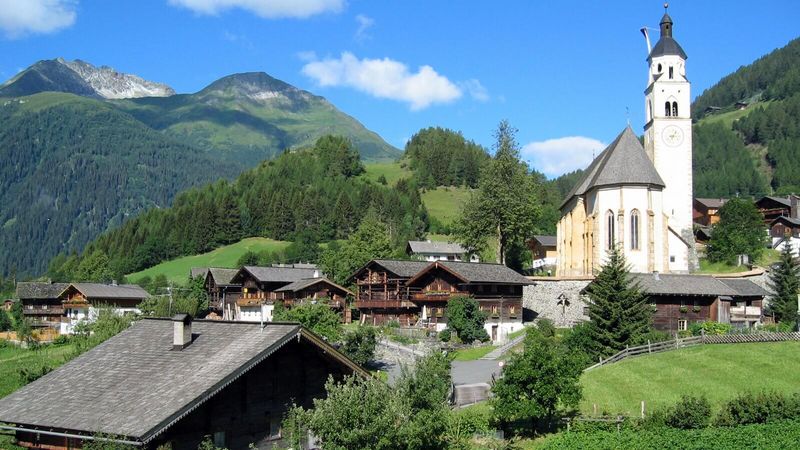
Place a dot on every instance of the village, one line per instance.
(284, 355)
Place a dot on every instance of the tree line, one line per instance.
(314, 192)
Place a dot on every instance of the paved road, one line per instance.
(479, 371)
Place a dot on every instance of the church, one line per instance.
(638, 197)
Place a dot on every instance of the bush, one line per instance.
(360, 344)
(710, 328)
(689, 413)
(5, 321)
(749, 408)
(546, 327)
(445, 335)
(466, 319)
(653, 336)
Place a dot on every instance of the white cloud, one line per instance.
(268, 9)
(475, 89)
(554, 157)
(21, 17)
(384, 78)
(364, 23)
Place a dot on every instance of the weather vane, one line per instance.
(666, 6)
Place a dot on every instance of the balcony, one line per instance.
(384, 304)
(745, 312)
(435, 296)
(56, 311)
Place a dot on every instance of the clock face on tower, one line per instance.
(672, 136)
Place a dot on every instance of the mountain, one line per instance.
(81, 78)
(86, 148)
(250, 117)
(747, 135)
(74, 167)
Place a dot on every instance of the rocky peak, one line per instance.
(110, 84)
(256, 87)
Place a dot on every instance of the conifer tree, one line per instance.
(618, 310)
(784, 281)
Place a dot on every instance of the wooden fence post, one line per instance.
(642, 409)
(649, 350)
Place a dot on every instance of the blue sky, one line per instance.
(567, 74)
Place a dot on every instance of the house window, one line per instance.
(439, 312)
(512, 311)
(610, 234)
(495, 311)
(667, 109)
(635, 229)
(274, 428)
(219, 439)
(671, 258)
(683, 325)
(585, 310)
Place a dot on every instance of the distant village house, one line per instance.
(438, 251)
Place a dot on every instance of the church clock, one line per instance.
(672, 136)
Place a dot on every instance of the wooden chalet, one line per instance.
(315, 289)
(41, 304)
(543, 251)
(416, 293)
(381, 292)
(783, 227)
(679, 300)
(705, 211)
(773, 207)
(172, 383)
(222, 292)
(497, 289)
(80, 300)
(259, 289)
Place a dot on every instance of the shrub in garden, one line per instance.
(690, 412)
(445, 335)
(763, 407)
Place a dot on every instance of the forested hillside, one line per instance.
(74, 167)
(754, 151)
(442, 157)
(315, 192)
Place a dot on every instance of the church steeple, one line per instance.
(666, 23)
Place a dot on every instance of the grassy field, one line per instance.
(12, 358)
(473, 353)
(769, 257)
(177, 270)
(719, 372)
(444, 203)
(391, 170)
(728, 117)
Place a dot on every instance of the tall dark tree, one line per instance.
(618, 309)
(740, 231)
(505, 206)
(784, 280)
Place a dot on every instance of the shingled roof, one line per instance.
(303, 284)
(624, 162)
(135, 386)
(109, 291)
(438, 248)
(401, 268)
(29, 290)
(195, 272)
(679, 284)
(546, 241)
(476, 273)
(223, 277)
(744, 287)
(276, 274)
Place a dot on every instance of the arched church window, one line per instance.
(635, 229)
(610, 232)
(670, 72)
(667, 109)
(675, 109)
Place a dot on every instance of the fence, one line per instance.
(694, 341)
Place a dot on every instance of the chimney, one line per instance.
(113, 282)
(655, 276)
(182, 334)
(793, 208)
(316, 273)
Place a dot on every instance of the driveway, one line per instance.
(478, 371)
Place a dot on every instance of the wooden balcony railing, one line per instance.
(43, 311)
(384, 304)
(745, 311)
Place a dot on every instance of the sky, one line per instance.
(568, 74)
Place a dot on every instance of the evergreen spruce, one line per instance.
(784, 281)
(618, 310)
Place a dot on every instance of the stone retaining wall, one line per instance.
(558, 300)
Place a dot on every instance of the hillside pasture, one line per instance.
(445, 203)
(177, 270)
(392, 171)
(718, 371)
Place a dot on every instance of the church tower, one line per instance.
(668, 142)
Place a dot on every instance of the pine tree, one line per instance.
(618, 310)
(784, 281)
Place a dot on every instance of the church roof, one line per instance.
(667, 46)
(623, 162)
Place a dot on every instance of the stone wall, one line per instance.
(558, 300)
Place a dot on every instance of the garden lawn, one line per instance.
(12, 358)
(177, 270)
(473, 353)
(719, 372)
